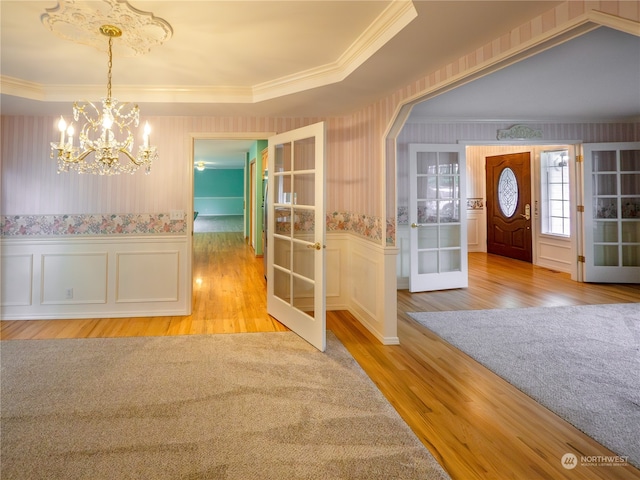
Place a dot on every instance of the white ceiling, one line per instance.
(594, 77)
(318, 58)
(236, 57)
(220, 153)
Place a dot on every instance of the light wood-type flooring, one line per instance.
(477, 425)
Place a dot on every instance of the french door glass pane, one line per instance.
(605, 208)
(630, 160)
(631, 231)
(604, 161)
(449, 261)
(428, 262)
(303, 293)
(427, 237)
(281, 253)
(449, 211)
(282, 220)
(631, 255)
(304, 154)
(427, 187)
(304, 224)
(427, 163)
(304, 258)
(605, 184)
(282, 285)
(282, 162)
(283, 187)
(605, 255)
(427, 211)
(448, 187)
(450, 236)
(605, 232)
(304, 189)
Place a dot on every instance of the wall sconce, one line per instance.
(200, 166)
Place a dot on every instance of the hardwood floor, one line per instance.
(477, 425)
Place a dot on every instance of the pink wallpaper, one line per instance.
(361, 169)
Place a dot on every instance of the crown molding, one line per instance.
(389, 23)
(392, 20)
(21, 88)
(169, 94)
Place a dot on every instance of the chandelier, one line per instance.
(105, 140)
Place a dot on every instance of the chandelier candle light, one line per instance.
(101, 133)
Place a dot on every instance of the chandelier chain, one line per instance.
(110, 64)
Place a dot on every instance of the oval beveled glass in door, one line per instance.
(508, 192)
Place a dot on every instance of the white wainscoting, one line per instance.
(403, 265)
(357, 272)
(554, 253)
(94, 277)
(476, 231)
(101, 277)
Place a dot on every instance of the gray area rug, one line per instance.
(581, 362)
(244, 406)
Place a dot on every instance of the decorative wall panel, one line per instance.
(81, 277)
(74, 278)
(17, 280)
(147, 276)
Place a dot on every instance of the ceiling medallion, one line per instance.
(79, 22)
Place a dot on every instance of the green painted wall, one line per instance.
(255, 152)
(219, 191)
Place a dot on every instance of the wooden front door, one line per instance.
(509, 205)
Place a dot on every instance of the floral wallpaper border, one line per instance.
(90, 224)
(364, 225)
(146, 224)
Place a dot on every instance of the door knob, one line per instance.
(527, 212)
(317, 246)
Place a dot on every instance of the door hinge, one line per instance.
(579, 158)
(581, 259)
(580, 208)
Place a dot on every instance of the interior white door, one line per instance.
(612, 212)
(296, 232)
(437, 215)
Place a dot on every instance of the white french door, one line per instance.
(437, 215)
(296, 232)
(611, 212)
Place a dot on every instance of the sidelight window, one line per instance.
(556, 206)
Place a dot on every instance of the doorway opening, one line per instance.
(220, 221)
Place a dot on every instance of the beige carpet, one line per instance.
(251, 406)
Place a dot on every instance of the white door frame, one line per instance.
(189, 147)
